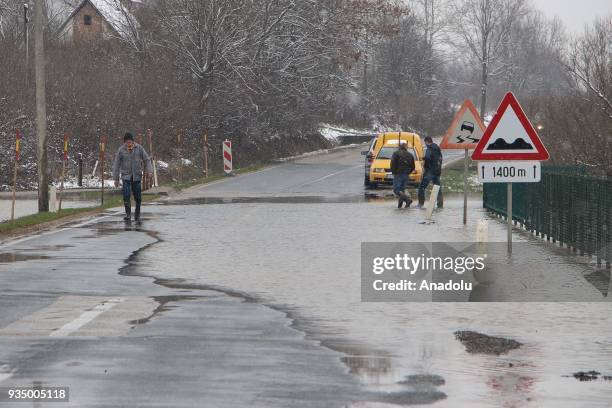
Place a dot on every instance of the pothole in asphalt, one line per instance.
(589, 376)
(481, 343)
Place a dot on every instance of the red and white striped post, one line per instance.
(227, 157)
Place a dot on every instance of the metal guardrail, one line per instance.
(568, 206)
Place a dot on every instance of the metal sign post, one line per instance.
(465, 185)
(509, 213)
(464, 133)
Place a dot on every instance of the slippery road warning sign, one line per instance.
(510, 136)
(466, 129)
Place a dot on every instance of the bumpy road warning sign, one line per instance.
(510, 136)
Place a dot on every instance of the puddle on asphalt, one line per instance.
(11, 257)
(164, 305)
(340, 199)
(45, 248)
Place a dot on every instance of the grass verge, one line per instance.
(452, 178)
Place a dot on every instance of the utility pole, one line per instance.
(26, 37)
(41, 109)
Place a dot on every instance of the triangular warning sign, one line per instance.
(466, 130)
(510, 136)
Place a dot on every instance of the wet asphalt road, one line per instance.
(207, 304)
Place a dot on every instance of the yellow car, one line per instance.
(380, 156)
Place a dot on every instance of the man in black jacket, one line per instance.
(433, 171)
(402, 164)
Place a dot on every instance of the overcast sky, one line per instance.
(574, 13)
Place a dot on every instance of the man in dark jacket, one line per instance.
(432, 171)
(402, 164)
(128, 166)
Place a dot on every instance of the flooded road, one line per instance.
(25, 207)
(273, 259)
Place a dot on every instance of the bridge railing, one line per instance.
(568, 206)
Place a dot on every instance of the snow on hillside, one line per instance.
(333, 133)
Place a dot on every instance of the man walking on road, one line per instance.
(128, 166)
(433, 171)
(402, 164)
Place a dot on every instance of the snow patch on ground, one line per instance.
(88, 182)
(333, 133)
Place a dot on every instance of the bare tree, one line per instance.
(481, 29)
(590, 63)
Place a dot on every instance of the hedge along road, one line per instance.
(247, 293)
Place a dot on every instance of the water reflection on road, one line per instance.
(303, 256)
(28, 207)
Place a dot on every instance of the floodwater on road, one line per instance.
(28, 207)
(289, 238)
(304, 258)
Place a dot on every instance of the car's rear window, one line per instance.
(387, 152)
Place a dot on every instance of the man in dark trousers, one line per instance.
(128, 166)
(433, 171)
(402, 164)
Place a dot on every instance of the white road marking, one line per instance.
(85, 318)
(226, 179)
(5, 372)
(328, 176)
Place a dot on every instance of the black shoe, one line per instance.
(128, 212)
(400, 202)
(408, 202)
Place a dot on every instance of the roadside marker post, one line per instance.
(179, 148)
(102, 148)
(465, 132)
(205, 135)
(152, 156)
(53, 199)
(80, 171)
(64, 160)
(510, 151)
(17, 154)
(145, 179)
(227, 157)
(433, 198)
